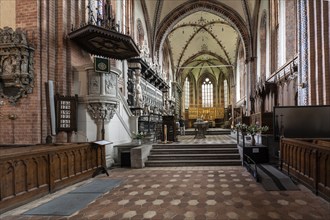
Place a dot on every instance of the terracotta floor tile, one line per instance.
(196, 199)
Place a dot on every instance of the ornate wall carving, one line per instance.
(94, 84)
(139, 102)
(110, 84)
(16, 65)
(102, 111)
(131, 87)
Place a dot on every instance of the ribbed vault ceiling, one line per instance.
(201, 40)
(203, 43)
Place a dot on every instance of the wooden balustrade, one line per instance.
(27, 173)
(309, 163)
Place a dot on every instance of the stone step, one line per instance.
(217, 132)
(190, 146)
(176, 154)
(195, 151)
(180, 163)
(194, 157)
(209, 132)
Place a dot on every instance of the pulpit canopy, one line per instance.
(105, 42)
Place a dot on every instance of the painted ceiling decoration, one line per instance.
(202, 35)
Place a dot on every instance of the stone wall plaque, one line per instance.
(101, 65)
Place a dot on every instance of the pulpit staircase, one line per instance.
(172, 155)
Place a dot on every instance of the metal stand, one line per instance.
(103, 130)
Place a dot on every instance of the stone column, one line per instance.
(250, 83)
(303, 53)
(102, 113)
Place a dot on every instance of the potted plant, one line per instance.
(138, 136)
(252, 130)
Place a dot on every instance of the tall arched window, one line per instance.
(186, 93)
(225, 93)
(207, 93)
(263, 46)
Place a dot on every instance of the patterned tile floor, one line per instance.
(189, 193)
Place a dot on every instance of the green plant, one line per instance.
(241, 127)
(251, 129)
(139, 135)
(255, 129)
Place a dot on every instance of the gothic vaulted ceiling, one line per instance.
(202, 35)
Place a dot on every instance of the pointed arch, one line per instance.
(206, 90)
(217, 8)
(192, 58)
(192, 88)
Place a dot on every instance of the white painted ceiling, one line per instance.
(203, 42)
(200, 42)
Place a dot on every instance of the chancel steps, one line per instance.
(210, 131)
(170, 155)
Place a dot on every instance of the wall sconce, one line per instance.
(12, 116)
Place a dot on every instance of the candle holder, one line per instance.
(165, 134)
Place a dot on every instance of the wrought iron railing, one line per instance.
(100, 14)
(289, 69)
(251, 166)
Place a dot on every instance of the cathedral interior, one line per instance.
(199, 109)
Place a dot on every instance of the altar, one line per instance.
(200, 129)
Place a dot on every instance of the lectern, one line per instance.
(101, 169)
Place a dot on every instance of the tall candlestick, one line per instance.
(165, 134)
